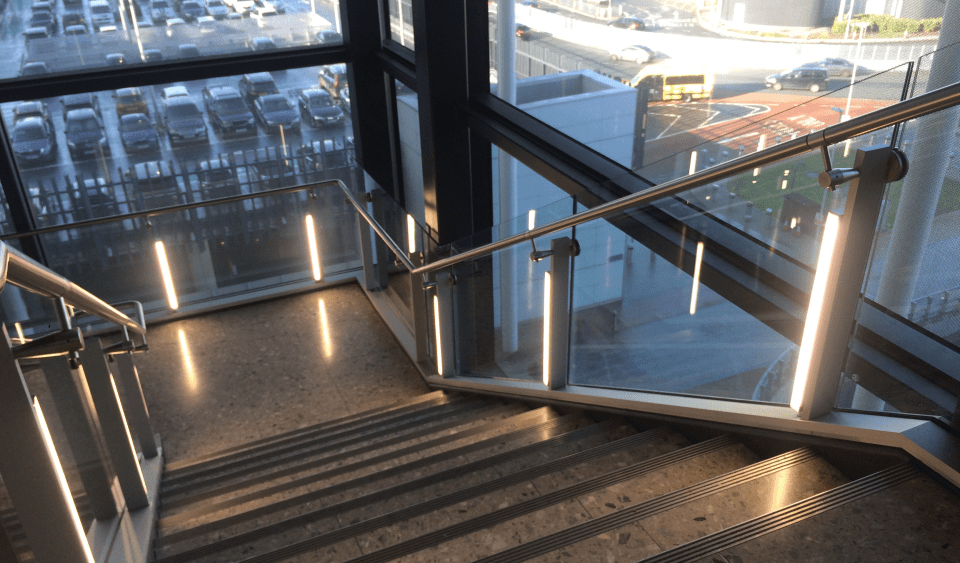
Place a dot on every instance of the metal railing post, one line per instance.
(113, 424)
(841, 270)
(82, 437)
(135, 406)
(556, 321)
(32, 473)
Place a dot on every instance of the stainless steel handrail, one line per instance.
(361, 210)
(173, 209)
(24, 272)
(909, 109)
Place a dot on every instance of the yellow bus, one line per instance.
(672, 82)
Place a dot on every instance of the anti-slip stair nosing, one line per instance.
(263, 462)
(417, 402)
(328, 442)
(507, 427)
(461, 420)
(367, 526)
(788, 515)
(538, 503)
(589, 529)
(409, 486)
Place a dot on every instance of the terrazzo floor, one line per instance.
(232, 376)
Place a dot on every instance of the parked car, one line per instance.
(327, 154)
(85, 134)
(33, 108)
(33, 142)
(255, 85)
(275, 112)
(227, 112)
(206, 24)
(240, 6)
(328, 36)
(34, 69)
(183, 121)
(156, 184)
(174, 92)
(80, 101)
(628, 23)
(138, 134)
(261, 13)
(635, 53)
(101, 14)
(93, 199)
(73, 18)
(130, 100)
(45, 20)
(161, 11)
(216, 9)
(152, 55)
(172, 22)
(267, 168)
(190, 10)
(218, 178)
(75, 30)
(333, 79)
(40, 32)
(115, 59)
(187, 51)
(814, 79)
(262, 44)
(523, 31)
(317, 108)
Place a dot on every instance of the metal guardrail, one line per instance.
(919, 106)
(28, 274)
(387, 239)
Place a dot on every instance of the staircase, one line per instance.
(455, 478)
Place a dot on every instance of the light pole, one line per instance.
(853, 75)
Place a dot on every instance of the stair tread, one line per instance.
(337, 423)
(689, 521)
(913, 521)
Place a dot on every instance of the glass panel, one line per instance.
(908, 332)
(10, 525)
(401, 22)
(109, 33)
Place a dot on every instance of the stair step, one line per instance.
(534, 423)
(895, 515)
(372, 432)
(307, 468)
(295, 493)
(211, 459)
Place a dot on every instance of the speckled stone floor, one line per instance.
(232, 376)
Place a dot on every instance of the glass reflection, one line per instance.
(193, 382)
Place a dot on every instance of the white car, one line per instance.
(240, 6)
(635, 53)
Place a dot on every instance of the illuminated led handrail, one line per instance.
(919, 106)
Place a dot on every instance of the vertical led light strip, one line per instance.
(694, 293)
(760, 146)
(166, 276)
(546, 328)
(312, 245)
(693, 162)
(811, 326)
(411, 234)
(126, 429)
(531, 219)
(52, 452)
(436, 326)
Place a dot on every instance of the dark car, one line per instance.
(275, 112)
(628, 23)
(33, 142)
(333, 79)
(152, 55)
(524, 31)
(131, 100)
(227, 112)
(85, 133)
(34, 69)
(156, 184)
(93, 199)
(262, 44)
(191, 10)
(74, 18)
(317, 108)
(267, 168)
(33, 108)
(218, 178)
(44, 19)
(216, 9)
(257, 84)
(329, 36)
(814, 79)
(115, 59)
(184, 121)
(80, 101)
(187, 51)
(138, 134)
